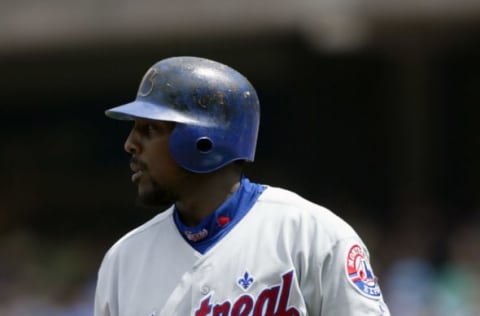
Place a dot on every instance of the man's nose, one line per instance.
(131, 145)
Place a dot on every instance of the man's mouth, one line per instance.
(137, 175)
(137, 168)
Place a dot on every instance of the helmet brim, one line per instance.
(147, 110)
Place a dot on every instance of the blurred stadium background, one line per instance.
(368, 107)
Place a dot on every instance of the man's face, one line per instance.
(156, 174)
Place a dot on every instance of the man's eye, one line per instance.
(151, 128)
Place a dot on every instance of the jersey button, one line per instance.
(205, 290)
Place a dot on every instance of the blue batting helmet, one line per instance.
(215, 107)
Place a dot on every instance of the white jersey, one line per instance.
(286, 257)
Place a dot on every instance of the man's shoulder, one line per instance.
(294, 207)
(143, 233)
(285, 198)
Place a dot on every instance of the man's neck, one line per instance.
(206, 192)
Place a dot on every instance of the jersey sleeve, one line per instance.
(105, 300)
(349, 285)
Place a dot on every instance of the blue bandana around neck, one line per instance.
(217, 224)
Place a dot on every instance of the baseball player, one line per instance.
(226, 246)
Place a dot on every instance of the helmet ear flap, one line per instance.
(194, 149)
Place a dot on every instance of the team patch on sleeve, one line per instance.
(360, 274)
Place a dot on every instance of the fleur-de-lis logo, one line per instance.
(246, 281)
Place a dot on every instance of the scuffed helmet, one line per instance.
(215, 107)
